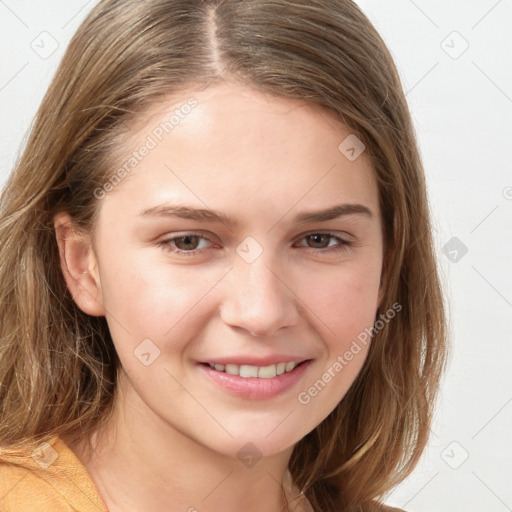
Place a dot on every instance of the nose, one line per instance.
(259, 299)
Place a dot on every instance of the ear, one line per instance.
(79, 265)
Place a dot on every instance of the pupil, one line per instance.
(317, 238)
(187, 240)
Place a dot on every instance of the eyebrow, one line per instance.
(207, 215)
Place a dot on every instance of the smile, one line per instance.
(261, 372)
(255, 382)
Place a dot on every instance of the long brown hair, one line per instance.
(58, 365)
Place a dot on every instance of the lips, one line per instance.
(266, 386)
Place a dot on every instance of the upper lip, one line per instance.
(257, 361)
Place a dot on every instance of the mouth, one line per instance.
(251, 382)
(260, 372)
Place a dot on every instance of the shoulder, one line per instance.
(48, 476)
(21, 488)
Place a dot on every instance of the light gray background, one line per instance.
(461, 102)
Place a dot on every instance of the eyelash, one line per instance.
(166, 245)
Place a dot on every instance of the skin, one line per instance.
(172, 441)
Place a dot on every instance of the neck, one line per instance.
(140, 463)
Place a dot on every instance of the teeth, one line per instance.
(267, 372)
(262, 372)
(232, 369)
(248, 371)
(289, 367)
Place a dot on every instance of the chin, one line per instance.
(264, 443)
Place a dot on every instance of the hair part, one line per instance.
(58, 365)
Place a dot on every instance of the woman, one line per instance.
(218, 282)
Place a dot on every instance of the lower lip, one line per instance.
(252, 388)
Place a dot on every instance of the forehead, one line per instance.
(234, 143)
(230, 98)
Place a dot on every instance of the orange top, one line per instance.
(52, 479)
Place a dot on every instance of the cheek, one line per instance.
(345, 302)
(148, 299)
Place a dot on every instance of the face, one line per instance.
(264, 281)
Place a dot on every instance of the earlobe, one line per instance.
(79, 266)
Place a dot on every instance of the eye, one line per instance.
(187, 244)
(320, 239)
